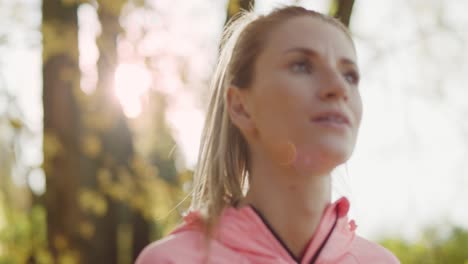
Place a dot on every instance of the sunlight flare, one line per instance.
(132, 81)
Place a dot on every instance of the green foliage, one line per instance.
(23, 232)
(24, 237)
(432, 247)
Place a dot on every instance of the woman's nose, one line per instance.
(333, 86)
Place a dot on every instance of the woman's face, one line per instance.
(304, 98)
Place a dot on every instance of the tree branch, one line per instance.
(342, 9)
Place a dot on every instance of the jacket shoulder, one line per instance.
(187, 247)
(366, 251)
(182, 247)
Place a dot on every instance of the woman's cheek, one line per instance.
(358, 109)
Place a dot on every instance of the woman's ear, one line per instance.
(238, 108)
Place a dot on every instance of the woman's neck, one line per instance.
(292, 203)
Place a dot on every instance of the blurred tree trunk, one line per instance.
(61, 76)
(235, 6)
(107, 126)
(123, 228)
(83, 137)
(342, 9)
(117, 144)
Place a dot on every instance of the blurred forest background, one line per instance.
(102, 172)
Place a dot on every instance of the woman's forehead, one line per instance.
(307, 32)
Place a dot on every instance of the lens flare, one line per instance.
(132, 81)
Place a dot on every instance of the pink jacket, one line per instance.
(243, 236)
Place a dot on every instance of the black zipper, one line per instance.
(316, 255)
(314, 258)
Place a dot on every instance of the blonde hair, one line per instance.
(223, 161)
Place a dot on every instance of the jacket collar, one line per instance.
(244, 230)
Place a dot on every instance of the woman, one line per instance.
(285, 111)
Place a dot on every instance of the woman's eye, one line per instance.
(352, 77)
(302, 66)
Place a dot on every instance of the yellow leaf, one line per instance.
(16, 123)
(104, 177)
(118, 192)
(86, 229)
(92, 201)
(100, 207)
(60, 242)
(91, 145)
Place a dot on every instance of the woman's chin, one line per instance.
(323, 158)
(312, 156)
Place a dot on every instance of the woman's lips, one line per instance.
(332, 124)
(332, 119)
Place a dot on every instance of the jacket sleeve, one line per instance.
(174, 249)
(366, 251)
(152, 255)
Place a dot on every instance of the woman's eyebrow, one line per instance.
(307, 51)
(313, 53)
